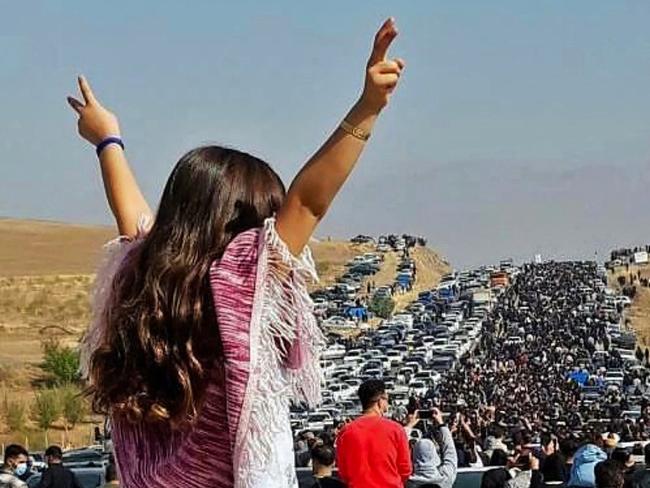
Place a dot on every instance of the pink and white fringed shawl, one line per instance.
(271, 345)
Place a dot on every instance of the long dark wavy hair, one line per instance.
(162, 339)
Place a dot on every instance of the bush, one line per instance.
(74, 405)
(61, 363)
(382, 307)
(47, 408)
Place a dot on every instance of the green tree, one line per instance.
(74, 405)
(61, 363)
(382, 306)
(46, 409)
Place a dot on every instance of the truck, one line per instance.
(499, 279)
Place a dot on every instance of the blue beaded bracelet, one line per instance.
(108, 141)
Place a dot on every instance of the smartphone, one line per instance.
(425, 414)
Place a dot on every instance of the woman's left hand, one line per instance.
(382, 75)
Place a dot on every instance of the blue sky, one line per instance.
(519, 127)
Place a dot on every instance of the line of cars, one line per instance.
(338, 306)
(616, 373)
(411, 351)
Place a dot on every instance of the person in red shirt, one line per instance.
(372, 451)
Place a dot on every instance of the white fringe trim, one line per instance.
(286, 322)
(115, 251)
(289, 313)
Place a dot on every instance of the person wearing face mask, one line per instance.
(15, 465)
(373, 451)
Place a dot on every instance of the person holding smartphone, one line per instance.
(431, 466)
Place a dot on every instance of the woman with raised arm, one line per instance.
(203, 329)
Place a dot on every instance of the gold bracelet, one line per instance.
(355, 131)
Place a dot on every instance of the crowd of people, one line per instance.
(548, 397)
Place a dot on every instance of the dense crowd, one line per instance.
(553, 388)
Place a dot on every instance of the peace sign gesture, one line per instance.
(382, 75)
(95, 122)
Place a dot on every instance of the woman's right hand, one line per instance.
(95, 122)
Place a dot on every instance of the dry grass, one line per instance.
(40, 301)
(46, 273)
(30, 247)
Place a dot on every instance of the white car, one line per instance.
(427, 376)
(428, 341)
(395, 358)
(339, 322)
(624, 300)
(403, 318)
(405, 372)
(335, 351)
(385, 361)
(452, 349)
(418, 387)
(327, 366)
(402, 348)
(352, 355)
(414, 365)
(374, 373)
(461, 347)
(341, 391)
(451, 324)
(614, 377)
(319, 421)
(439, 344)
(426, 351)
(373, 353)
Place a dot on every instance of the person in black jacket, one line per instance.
(322, 460)
(557, 466)
(56, 476)
(609, 474)
(497, 478)
(642, 477)
(624, 457)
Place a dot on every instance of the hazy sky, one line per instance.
(519, 127)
